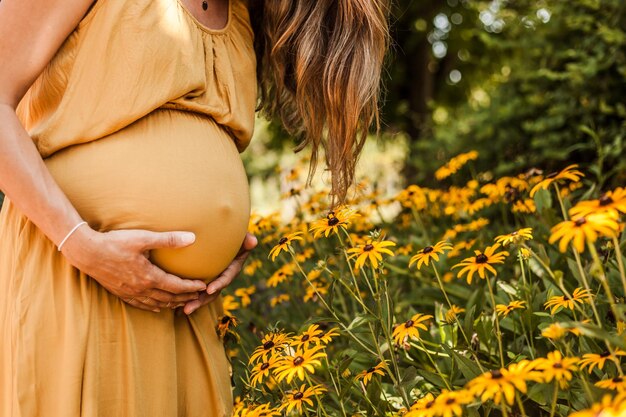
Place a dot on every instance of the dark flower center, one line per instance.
(558, 365)
(617, 379)
(450, 401)
(368, 247)
(409, 323)
(370, 370)
(298, 360)
(580, 222)
(410, 193)
(298, 395)
(265, 365)
(268, 345)
(282, 241)
(332, 221)
(605, 354)
(304, 338)
(429, 404)
(225, 319)
(496, 374)
(481, 259)
(552, 175)
(428, 249)
(605, 200)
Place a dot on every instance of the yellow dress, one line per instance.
(140, 117)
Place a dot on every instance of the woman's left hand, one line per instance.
(225, 278)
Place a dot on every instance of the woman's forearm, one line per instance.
(26, 181)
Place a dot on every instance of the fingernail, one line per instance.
(188, 237)
(157, 310)
(211, 289)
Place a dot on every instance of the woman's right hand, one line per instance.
(118, 260)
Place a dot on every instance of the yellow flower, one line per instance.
(556, 367)
(410, 328)
(500, 384)
(554, 331)
(524, 206)
(284, 243)
(298, 363)
(272, 343)
(252, 266)
(481, 262)
(505, 309)
(225, 325)
(618, 384)
(333, 221)
(450, 403)
(372, 251)
(584, 229)
(609, 407)
(367, 374)
(611, 200)
(262, 370)
(424, 407)
(515, 237)
(413, 196)
(314, 335)
(452, 313)
(279, 299)
(229, 304)
(423, 256)
(569, 173)
(244, 294)
(580, 296)
(593, 360)
(281, 275)
(296, 399)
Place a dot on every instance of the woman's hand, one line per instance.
(225, 278)
(118, 260)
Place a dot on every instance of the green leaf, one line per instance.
(543, 200)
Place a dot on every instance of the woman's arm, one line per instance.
(31, 31)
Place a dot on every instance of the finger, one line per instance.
(250, 241)
(173, 284)
(153, 240)
(226, 277)
(138, 304)
(204, 299)
(168, 297)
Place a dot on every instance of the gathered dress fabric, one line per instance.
(140, 117)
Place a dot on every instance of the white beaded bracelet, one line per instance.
(69, 234)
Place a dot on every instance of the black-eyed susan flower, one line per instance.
(366, 375)
(515, 237)
(556, 367)
(611, 200)
(500, 384)
(569, 173)
(279, 299)
(413, 196)
(371, 251)
(229, 304)
(281, 275)
(504, 309)
(579, 296)
(284, 244)
(314, 335)
(315, 290)
(617, 384)
(584, 229)
(262, 370)
(225, 324)
(609, 406)
(450, 403)
(252, 266)
(298, 363)
(410, 328)
(334, 220)
(452, 313)
(423, 407)
(554, 331)
(481, 262)
(270, 344)
(296, 399)
(423, 256)
(592, 360)
(244, 294)
(524, 206)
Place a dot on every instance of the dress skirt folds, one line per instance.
(140, 117)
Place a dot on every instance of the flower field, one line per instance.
(495, 296)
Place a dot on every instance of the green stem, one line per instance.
(554, 398)
(620, 262)
(498, 333)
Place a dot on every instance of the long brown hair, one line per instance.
(319, 66)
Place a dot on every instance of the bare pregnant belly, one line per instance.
(171, 170)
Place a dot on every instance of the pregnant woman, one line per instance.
(121, 124)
